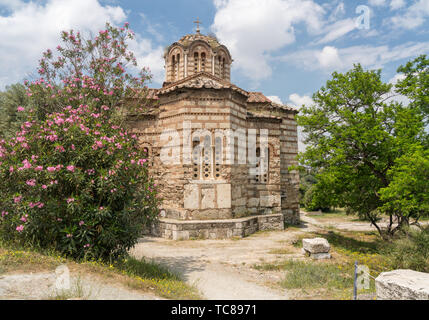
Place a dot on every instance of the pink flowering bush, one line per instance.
(75, 180)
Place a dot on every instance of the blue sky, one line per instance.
(284, 48)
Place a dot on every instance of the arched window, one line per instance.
(196, 158)
(203, 62)
(173, 67)
(177, 65)
(217, 156)
(223, 68)
(262, 167)
(207, 158)
(196, 62)
(219, 64)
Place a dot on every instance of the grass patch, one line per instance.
(146, 269)
(307, 275)
(411, 251)
(362, 242)
(27, 261)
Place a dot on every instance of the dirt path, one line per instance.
(41, 286)
(222, 269)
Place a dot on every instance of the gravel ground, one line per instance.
(41, 286)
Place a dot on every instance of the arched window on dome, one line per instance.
(203, 61)
(196, 62)
(177, 66)
(219, 64)
(173, 67)
(223, 68)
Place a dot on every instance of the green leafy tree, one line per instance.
(354, 137)
(415, 85)
(408, 191)
(14, 95)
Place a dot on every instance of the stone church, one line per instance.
(218, 153)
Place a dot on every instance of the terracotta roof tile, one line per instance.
(257, 97)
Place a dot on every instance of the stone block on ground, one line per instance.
(317, 256)
(316, 245)
(402, 284)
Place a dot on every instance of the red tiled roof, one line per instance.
(257, 97)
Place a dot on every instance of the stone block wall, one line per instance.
(215, 229)
(231, 194)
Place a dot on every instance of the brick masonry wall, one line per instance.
(233, 194)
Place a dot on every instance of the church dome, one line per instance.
(195, 53)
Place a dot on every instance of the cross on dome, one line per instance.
(198, 22)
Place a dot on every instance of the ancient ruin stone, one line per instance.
(402, 284)
(316, 245)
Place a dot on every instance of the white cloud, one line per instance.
(337, 30)
(147, 55)
(29, 28)
(297, 101)
(397, 4)
(253, 29)
(414, 16)
(377, 3)
(275, 99)
(328, 57)
(334, 59)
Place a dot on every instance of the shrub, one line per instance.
(313, 201)
(76, 183)
(410, 251)
(73, 179)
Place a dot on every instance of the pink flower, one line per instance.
(27, 164)
(20, 228)
(11, 169)
(69, 200)
(31, 182)
(20, 109)
(4, 213)
(44, 186)
(23, 219)
(38, 168)
(51, 169)
(87, 245)
(141, 161)
(69, 235)
(60, 148)
(71, 168)
(81, 223)
(72, 147)
(17, 199)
